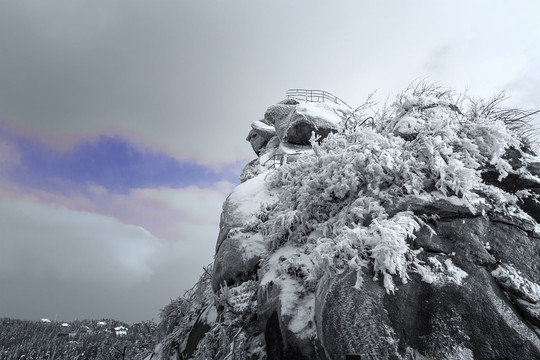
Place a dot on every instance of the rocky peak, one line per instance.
(412, 238)
(291, 124)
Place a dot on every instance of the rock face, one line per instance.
(464, 314)
(257, 141)
(416, 239)
(238, 250)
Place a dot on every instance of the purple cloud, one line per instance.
(113, 162)
(114, 176)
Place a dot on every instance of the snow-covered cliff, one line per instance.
(412, 236)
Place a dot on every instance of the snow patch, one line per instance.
(408, 125)
(320, 110)
(437, 274)
(302, 319)
(511, 319)
(210, 315)
(455, 274)
(252, 245)
(296, 303)
(511, 279)
(247, 198)
(293, 149)
(259, 125)
(460, 353)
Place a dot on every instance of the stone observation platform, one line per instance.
(287, 127)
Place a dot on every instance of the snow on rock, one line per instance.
(237, 258)
(326, 113)
(239, 250)
(306, 118)
(386, 241)
(263, 129)
(293, 149)
(438, 274)
(512, 280)
(278, 112)
(246, 200)
(292, 300)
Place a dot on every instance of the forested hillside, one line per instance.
(85, 339)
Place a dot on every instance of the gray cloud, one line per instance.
(190, 76)
(83, 265)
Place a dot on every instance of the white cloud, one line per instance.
(54, 241)
(202, 205)
(164, 71)
(80, 264)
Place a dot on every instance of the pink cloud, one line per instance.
(171, 214)
(165, 212)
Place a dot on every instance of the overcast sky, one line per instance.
(123, 123)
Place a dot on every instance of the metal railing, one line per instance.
(314, 96)
(279, 159)
(274, 162)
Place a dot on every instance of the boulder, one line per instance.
(293, 276)
(257, 141)
(237, 258)
(263, 129)
(237, 249)
(307, 118)
(289, 101)
(278, 112)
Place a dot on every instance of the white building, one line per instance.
(121, 330)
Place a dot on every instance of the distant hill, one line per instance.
(77, 340)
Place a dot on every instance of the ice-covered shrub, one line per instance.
(337, 204)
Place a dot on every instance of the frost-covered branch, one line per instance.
(338, 204)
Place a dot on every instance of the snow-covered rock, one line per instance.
(278, 112)
(265, 130)
(238, 250)
(449, 305)
(414, 238)
(257, 141)
(306, 118)
(237, 258)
